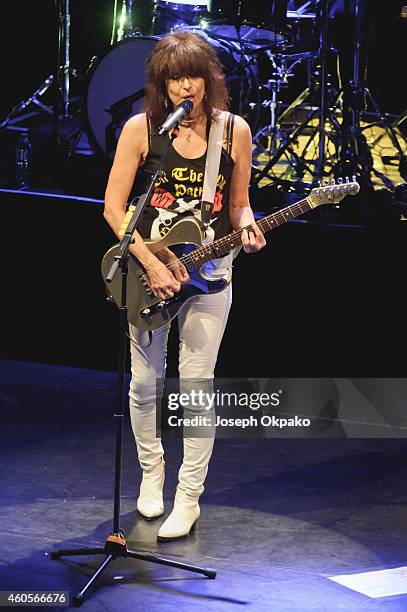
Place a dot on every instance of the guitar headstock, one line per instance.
(333, 192)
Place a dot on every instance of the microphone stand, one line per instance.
(115, 545)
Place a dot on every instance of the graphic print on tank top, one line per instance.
(177, 192)
(180, 195)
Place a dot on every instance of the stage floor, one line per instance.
(279, 517)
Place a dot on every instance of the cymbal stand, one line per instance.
(123, 25)
(320, 166)
(279, 78)
(61, 79)
(282, 69)
(243, 64)
(354, 154)
(282, 140)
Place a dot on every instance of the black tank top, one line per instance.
(177, 193)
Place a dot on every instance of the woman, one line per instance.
(182, 66)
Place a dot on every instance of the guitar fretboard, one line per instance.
(224, 245)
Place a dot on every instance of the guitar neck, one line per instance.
(224, 245)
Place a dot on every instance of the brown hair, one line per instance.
(183, 54)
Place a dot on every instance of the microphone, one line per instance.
(183, 110)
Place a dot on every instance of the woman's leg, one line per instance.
(148, 362)
(202, 322)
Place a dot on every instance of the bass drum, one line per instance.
(115, 86)
(115, 91)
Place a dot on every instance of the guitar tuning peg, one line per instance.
(319, 184)
(347, 179)
(326, 182)
(333, 181)
(340, 180)
(354, 178)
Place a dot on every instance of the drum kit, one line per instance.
(257, 46)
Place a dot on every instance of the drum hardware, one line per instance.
(355, 152)
(61, 79)
(340, 145)
(171, 15)
(233, 21)
(279, 79)
(123, 25)
(282, 70)
(321, 109)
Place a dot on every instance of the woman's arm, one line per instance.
(240, 211)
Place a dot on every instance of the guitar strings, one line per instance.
(232, 237)
(237, 234)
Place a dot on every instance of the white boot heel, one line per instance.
(150, 503)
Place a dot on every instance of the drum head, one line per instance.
(253, 37)
(115, 91)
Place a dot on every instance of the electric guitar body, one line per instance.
(145, 311)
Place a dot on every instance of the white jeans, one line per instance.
(201, 323)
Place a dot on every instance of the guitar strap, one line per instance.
(220, 267)
(214, 150)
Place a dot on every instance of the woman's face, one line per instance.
(187, 88)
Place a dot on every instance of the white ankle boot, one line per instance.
(182, 520)
(185, 514)
(150, 503)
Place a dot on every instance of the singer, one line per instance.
(182, 67)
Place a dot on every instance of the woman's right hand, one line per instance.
(161, 280)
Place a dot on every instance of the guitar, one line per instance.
(147, 312)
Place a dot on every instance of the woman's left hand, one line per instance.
(253, 239)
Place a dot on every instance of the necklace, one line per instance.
(190, 124)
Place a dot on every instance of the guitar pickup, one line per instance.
(146, 285)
